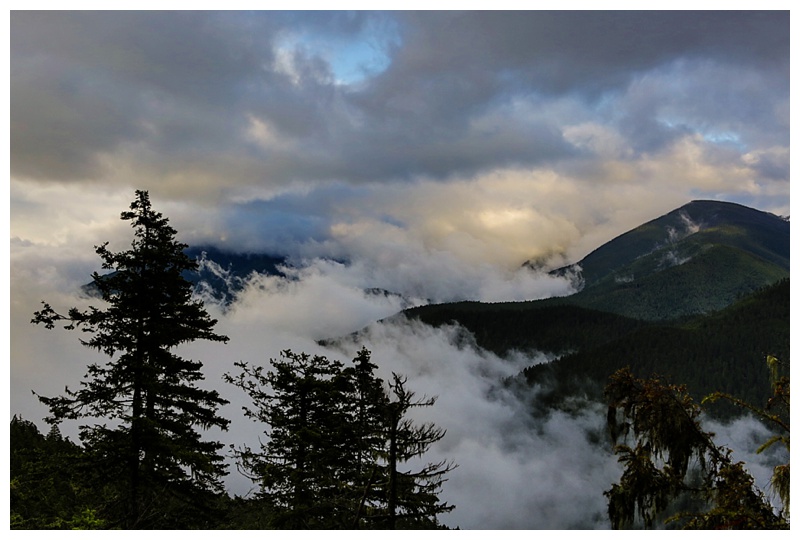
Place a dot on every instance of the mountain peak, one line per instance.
(730, 250)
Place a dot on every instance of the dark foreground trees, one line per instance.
(50, 489)
(337, 446)
(671, 460)
(144, 408)
(412, 497)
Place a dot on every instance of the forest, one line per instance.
(340, 448)
(720, 351)
(334, 459)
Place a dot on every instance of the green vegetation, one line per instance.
(712, 278)
(335, 441)
(529, 326)
(155, 463)
(671, 457)
(694, 260)
(719, 351)
(723, 351)
(761, 234)
(336, 437)
(337, 455)
(52, 485)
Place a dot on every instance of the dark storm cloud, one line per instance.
(195, 55)
(476, 56)
(245, 97)
(453, 67)
(84, 83)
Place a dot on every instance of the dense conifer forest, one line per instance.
(723, 351)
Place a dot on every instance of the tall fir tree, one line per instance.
(365, 403)
(146, 398)
(297, 467)
(412, 497)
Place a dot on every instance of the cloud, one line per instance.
(87, 86)
(515, 472)
(745, 435)
(212, 105)
(469, 143)
(469, 56)
(680, 99)
(498, 448)
(323, 300)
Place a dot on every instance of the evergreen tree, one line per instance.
(298, 466)
(412, 499)
(146, 392)
(50, 486)
(366, 403)
(335, 444)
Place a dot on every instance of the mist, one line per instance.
(514, 471)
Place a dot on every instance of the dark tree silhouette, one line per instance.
(296, 466)
(412, 496)
(335, 442)
(660, 424)
(145, 399)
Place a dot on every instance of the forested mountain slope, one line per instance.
(529, 326)
(696, 259)
(724, 351)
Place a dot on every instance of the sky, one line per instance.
(428, 153)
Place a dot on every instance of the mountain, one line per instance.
(711, 222)
(699, 295)
(696, 259)
(529, 326)
(223, 273)
(724, 351)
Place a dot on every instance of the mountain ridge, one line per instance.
(695, 259)
(722, 351)
(713, 218)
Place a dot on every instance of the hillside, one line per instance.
(220, 274)
(674, 296)
(722, 351)
(699, 295)
(707, 222)
(225, 274)
(529, 326)
(696, 259)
